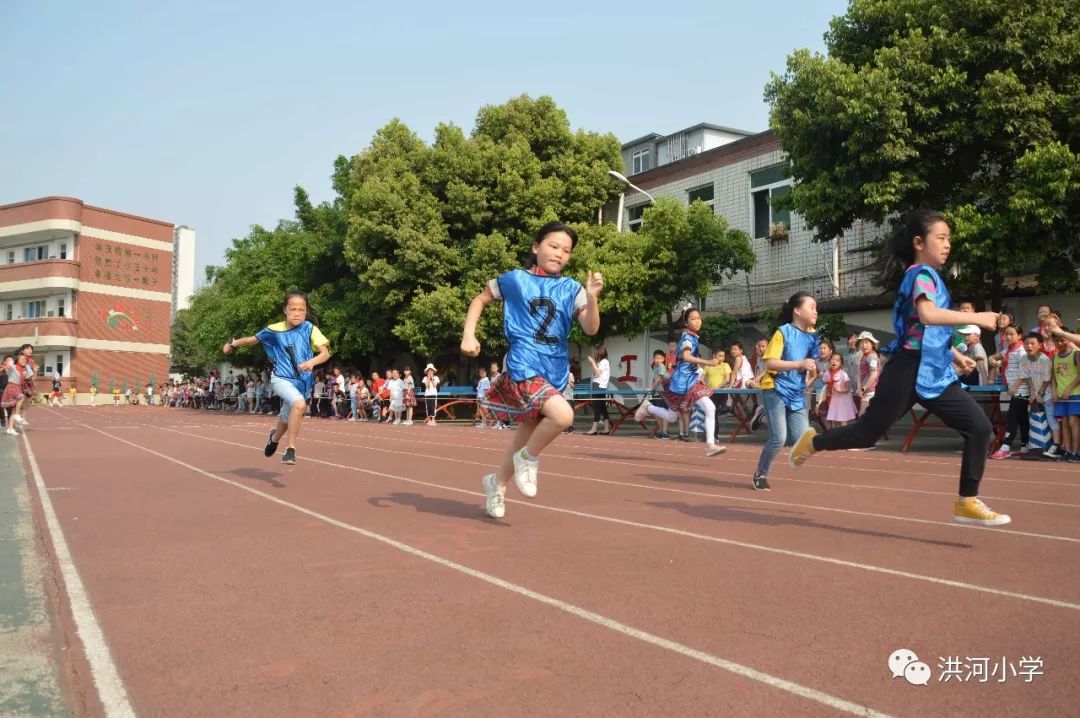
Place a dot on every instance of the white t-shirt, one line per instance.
(340, 379)
(603, 374)
(1036, 371)
(397, 389)
(431, 385)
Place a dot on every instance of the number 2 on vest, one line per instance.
(535, 305)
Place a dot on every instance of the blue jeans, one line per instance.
(785, 428)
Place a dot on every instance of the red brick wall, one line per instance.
(127, 223)
(39, 209)
(116, 366)
(124, 265)
(151, 319)
(39, 270)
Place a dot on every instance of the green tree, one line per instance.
(688, 250)
(428, 225)
(968, 106)
(832, 327)
(719, 330)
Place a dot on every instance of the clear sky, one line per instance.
(208, 113)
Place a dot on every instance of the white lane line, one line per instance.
(636, 633)
(679, 532)
(688, 492)
(702, 470)
(103, 669)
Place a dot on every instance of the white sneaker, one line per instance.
(713, 450)
(408, 422)
(397, 421)
(494, 506)
(20, 420)
(642, 410)
(11, 431)
(525, 474)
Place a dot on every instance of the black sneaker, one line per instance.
(1054, 452)
(758, 418)
(289, 457)
(271, 444)
(761, 483)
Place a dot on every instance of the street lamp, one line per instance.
(620, 177)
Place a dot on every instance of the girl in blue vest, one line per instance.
(790, 367)
(539, 309)
(295, 346)
(921, 368)
(686, 388)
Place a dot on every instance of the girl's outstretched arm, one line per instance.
(589, 316)
(241, 342)
(469, 345)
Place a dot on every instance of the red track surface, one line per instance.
(215, 599)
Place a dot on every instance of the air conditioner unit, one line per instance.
(696, 149)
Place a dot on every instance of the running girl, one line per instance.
(686, 388)
(922, 365)
(790, 363)
(295, 346)
(539, 307)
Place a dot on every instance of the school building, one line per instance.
(738, 174)
(92, 289)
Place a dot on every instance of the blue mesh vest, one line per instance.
(936, 371)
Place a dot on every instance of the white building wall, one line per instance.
(783, 266)
(183, 267)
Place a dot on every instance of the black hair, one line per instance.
(737, 344)
(828, 343)
(23, 348)
(310, 315)
(551, 228)
(900, 247)
(1032, 335)
(687, 312)
(659, 353)
(787, 309)
(601, 352)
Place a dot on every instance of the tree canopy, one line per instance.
(414, 230)
(968, 106)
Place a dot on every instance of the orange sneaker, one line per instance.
(971, 510)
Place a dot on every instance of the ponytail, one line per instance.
(787, 309)
(900, 247)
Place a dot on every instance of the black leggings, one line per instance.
(1016, 418)
(429, 405)
(895, 396)
(599, 404)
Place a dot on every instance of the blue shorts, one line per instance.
(289, 395)
(1067, 408)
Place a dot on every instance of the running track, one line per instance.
(644, 580)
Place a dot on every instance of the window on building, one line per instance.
(63, 250)
(34, 309)
(10, 312)
(60, 364)
(705, 194)
(11, 257)
(33, 254)
(766, 187)
(641, 160)
(60, 307)
(634, 217)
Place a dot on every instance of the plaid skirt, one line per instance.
(682, 402)
(12, 394)
(410, 397)
(511, 400)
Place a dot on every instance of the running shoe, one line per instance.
(289, 457)
(971, 510)
(271, 443)
(802, 450)
(525, 471)
(494, 504)
(642, 410)
(761, 483)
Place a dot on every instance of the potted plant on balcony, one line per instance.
(778, 231)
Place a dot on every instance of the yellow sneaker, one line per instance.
(802, 450)
(973, 511)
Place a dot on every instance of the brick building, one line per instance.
(90, 288)
(738, 174)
